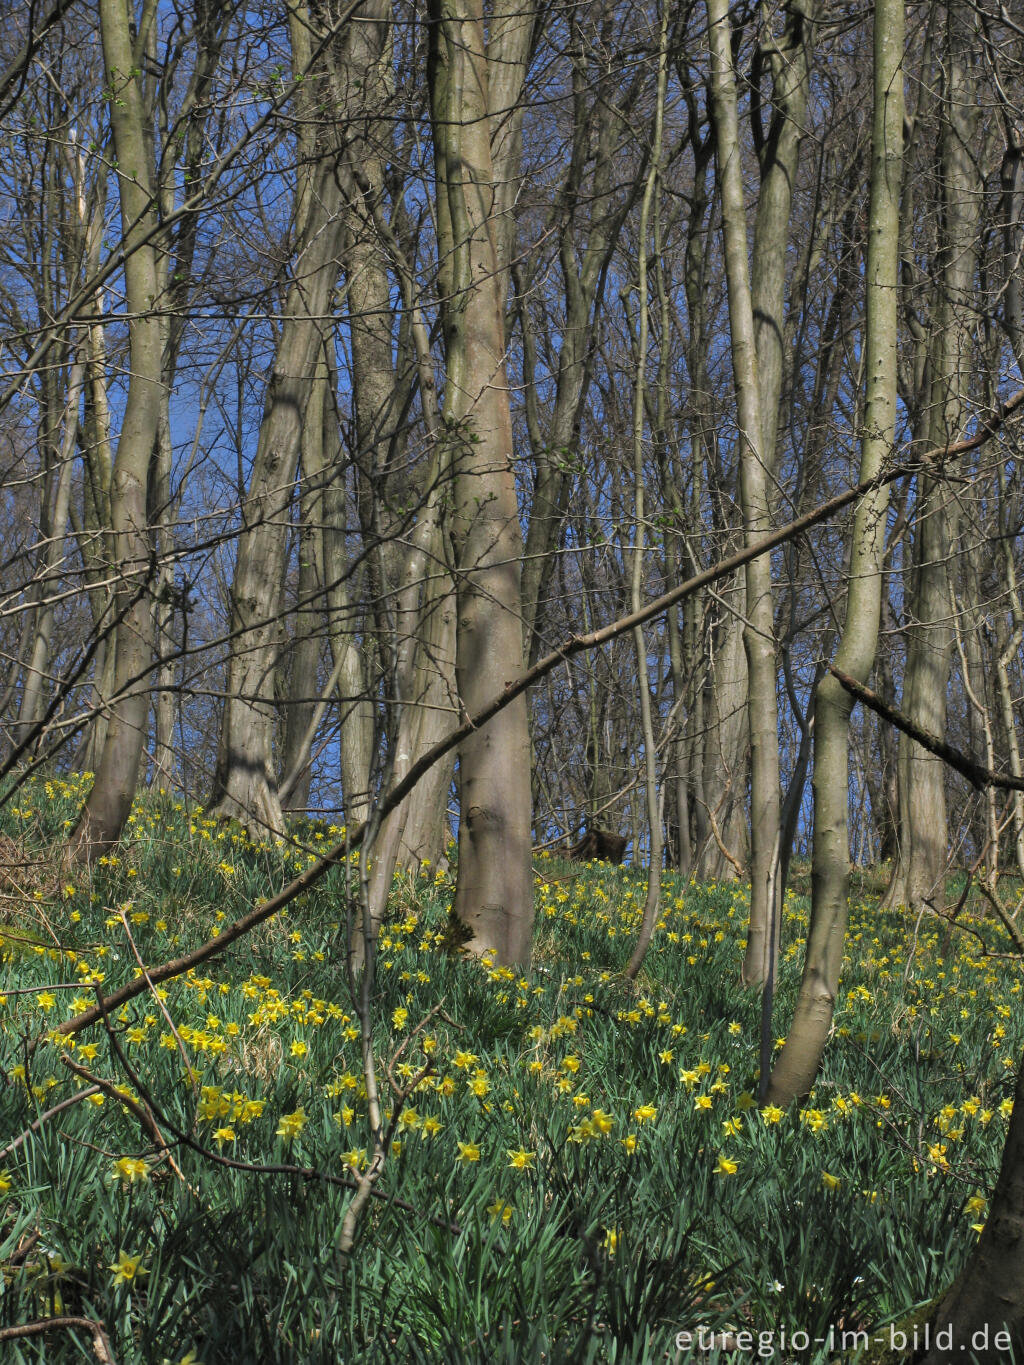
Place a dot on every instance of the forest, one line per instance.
(511, 681)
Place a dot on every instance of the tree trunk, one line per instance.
(987, 1297)
(494, 892)
(656, 843)
(307, 637)
(721, 816)
(362, 81)
(1009, 646)
(245, 783)
(424, 671)
(798, 1062)
(418, 653)
(165, 699)
(924, 840)
(423, 659)
(53, 524)
(106, 810)
(759, 624)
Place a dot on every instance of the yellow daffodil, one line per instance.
(601, 1121)
(127, 1268)
(291, 1125)
(129, 1169)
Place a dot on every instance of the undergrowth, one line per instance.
(583, 1175)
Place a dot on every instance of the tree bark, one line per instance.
(798, 1062)
(656, 842)
(362, 82)
(109, 802)
(987, 1297)
(419, 613)
(759, 624)
(923, 827)
(304, 664)
(723, 836)
(494, 892)
(53, 523)
(245, 783)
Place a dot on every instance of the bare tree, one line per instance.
(494, 895)
(922, 850)
(797, 1065)
(106, 810)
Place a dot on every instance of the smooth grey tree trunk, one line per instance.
(494, 891)
(415, 607)
(245, 784)
(53, 526)
(797, 1065)
(922, 852)
(109, 802)
(656, 842)
(759, 624)
(721, 811)
(304, 663)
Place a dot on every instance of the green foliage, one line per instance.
(585, 1169)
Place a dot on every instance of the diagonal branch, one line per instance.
(17, 72)
(976, 773)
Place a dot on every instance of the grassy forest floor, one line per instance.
(596, 1144)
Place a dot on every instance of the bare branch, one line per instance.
(976, 773)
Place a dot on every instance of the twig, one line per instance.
(278, 1168)
(1008, 924)
(730, 857)
(141, 1111)
(34, 1127)
(100, 1340)
(159, 1003)
(38, 990)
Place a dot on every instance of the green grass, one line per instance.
(627, 1222)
